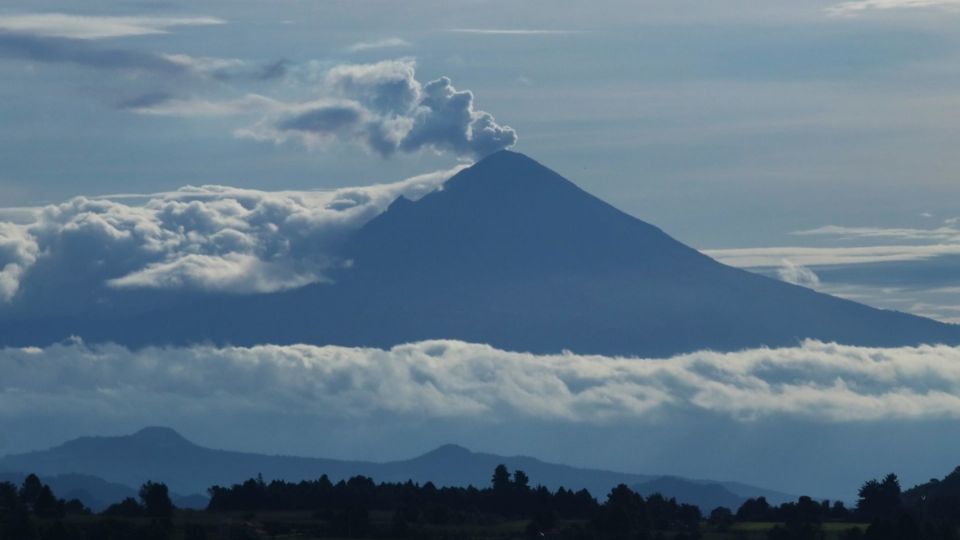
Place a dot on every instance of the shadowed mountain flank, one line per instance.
(509, 253)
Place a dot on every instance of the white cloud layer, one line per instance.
(211, 238)
(63, 25)
(815, 381)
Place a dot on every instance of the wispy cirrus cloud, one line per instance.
(856, 7)
(827, 256)
(64, 25)
(512, 31)
(63, 38)
(81, 52)
(899, 244)
(386, 43)
(945, 233)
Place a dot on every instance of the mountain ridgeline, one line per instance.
(511, 254)
(97, 469)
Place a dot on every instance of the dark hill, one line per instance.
(160, 454)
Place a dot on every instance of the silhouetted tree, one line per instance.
(879, 499)
(721, 518)
(623, 515)
(156, 500)
(501, 478)
(128, 507)
(755, 510)
(520, 480)
(30, 490)
(46, 505)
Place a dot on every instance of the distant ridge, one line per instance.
(115, 464)
(511, 254)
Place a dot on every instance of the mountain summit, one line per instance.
(512, 254)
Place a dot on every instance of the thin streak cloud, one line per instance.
(856, 7)
(512, 32)
(827, 256)
(389, 43)
(63, 25)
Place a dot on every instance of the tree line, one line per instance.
(361, 508)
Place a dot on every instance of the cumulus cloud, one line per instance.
(798, 275)
(380, 106)
(821, 382)
(64, 25)
(209, 238)
(860, 6)
(18, 251)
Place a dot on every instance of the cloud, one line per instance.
(63, 25)
(825, 383)
(798, 275)
(18, 251)
(703, 415)
(226, 69)
(387, 43)
(166, 104)
(946, 233)
(62, 38)
(381, 106)
(57, 50)
(209, 238)
(860, 6)
(511, 32)
(825, 256)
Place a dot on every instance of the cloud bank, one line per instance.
(825, 383)
(209, 238)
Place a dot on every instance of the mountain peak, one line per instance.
(160, 434)
(449, 451)
(510, 172)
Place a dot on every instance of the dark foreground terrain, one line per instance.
(510, 507)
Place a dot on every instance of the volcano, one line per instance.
(509, 253)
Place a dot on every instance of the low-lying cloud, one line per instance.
(815, 381)
(210, 238)
(798, 275)
(703, 415)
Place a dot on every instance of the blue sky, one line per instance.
(813, 141)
